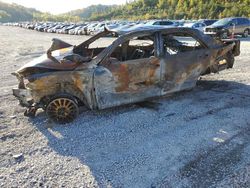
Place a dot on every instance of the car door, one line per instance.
(185, 59)
(128, 75)
(234, 26)
(242, 25)
(202, 26)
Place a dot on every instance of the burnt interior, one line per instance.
(177, 43)
(128, 51)
(124, 52)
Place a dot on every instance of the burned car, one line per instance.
(135, 67)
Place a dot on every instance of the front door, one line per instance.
(131, 73)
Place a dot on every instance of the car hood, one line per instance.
(60, 60)
(60, 56)
(45, 62)
(216, 26)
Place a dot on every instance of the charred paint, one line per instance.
(123, 78)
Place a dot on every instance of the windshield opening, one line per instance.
(224, 21)
(94, 45)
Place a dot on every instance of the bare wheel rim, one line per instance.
(62, 110)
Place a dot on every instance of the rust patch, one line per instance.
(154, 65)
(151, 74)
(123, 78)
(78, 82)
(155, 62)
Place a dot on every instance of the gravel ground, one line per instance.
(199, 138)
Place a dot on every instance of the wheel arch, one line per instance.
(69, 91)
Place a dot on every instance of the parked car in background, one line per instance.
(55, 28)
(150, 24)
(195, 25)
(41, 27)
(74, 30)
(101, 28)
(123, 27)
(97, 28)
(221, 28)
(161, 23)
(90, 28)
(66, 29)
(207, 22)
(225, 27)
(81, 30)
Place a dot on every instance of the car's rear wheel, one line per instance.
(246, 33)
(62, 110)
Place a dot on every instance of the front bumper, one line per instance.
(213, 33)
(24, 97)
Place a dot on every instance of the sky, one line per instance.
(62, 6)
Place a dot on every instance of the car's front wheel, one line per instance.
(62, 109)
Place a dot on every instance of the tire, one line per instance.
(246, 33)
(62, 109)
(230, 60)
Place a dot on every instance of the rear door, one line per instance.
(185, 58)
(244, 24)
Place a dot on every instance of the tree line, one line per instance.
(177, 9)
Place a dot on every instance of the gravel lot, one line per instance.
(199, 138)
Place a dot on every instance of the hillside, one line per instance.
(93, 12)
(15, 13)
(177, 9)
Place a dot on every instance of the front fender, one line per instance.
(74, 83)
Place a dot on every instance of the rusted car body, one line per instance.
(122, 73)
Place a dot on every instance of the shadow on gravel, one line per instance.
(212, 166)
(116, 143)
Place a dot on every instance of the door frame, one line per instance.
(205, 55)
(105, 74)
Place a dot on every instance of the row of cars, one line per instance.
(222, 28)
(91, 28)
(87, 28)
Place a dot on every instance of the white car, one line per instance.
(195, 25)
(162, 23)
(157, 24)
